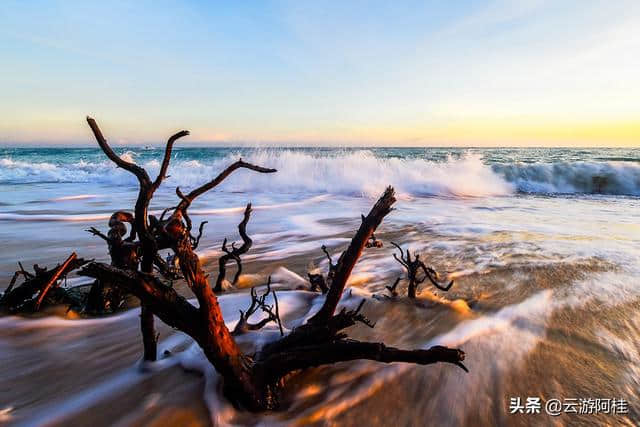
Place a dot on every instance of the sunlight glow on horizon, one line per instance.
(495, 73)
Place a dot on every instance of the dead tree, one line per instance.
(259, 302)
(42, 287)
(254, 381)
(234, 253)
(413, 267)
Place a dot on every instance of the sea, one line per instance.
(543, 245)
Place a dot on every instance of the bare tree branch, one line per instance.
(139, 172)
(167, 157)
(392, 288)
(187, 199)
(140, 222)
(279, 364)
(196, 241)
(234, 253)
(21, 297)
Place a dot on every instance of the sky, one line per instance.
(303, 73)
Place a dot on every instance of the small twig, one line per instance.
(25, 272)
(98, 233)
(196, 241)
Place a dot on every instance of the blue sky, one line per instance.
(528, 72)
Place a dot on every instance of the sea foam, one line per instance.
(359, 173)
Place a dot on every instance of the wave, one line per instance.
(353, 173)
(616, 178)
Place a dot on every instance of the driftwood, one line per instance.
(251, 381)
(234, 253)
(42, 287)
(259, 302)
(124, 253)
(413, 268)
(148, 246)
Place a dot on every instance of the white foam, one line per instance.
(354, 173)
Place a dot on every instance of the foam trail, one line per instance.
(100, 217)
(76, 197)
(535, 307)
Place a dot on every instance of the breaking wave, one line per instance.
(617, 178)
(353, 173)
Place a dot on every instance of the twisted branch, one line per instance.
(413, 266)
(187, 199)
(234, 253)
(259, 302)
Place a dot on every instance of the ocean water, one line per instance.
(544, 246)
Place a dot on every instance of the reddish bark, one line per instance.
(251, 381)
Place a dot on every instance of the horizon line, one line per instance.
(268, 146)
